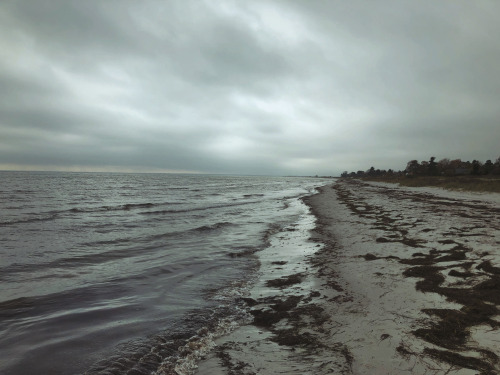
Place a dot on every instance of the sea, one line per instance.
(123, 273)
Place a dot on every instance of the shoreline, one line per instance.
(403, 280)
(287, 332)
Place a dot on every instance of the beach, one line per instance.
(399, 281)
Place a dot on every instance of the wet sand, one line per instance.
(391, 281)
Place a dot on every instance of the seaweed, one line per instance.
(286, 281)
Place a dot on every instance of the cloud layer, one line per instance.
(260, 87)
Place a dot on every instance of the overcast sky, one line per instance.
(247, 87)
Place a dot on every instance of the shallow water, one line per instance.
(109, 273)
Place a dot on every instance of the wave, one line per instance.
(137, 248)
(56, 214)
(159, 236)
(178, 349)
(53, 215)
(253, 195)
(77, 261)
(216, 226)
(42, 305)
(27, 220)
(122, 207)
(203, 208)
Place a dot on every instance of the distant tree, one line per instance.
(444, 162)
(456, 163)
(476, 166)
(496, 167)
(444, 167)
(412, 168)
(423, 168)
(432, 167)
(487, 167)
(460, 167)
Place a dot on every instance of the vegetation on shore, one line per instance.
(468, 183)
(448, 174)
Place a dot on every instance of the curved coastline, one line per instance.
(402, 281)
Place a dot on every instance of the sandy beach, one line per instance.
(400, 281)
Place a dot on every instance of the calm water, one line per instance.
(112, 273)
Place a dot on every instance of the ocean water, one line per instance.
(129, 273)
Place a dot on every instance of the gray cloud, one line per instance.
(261, 87)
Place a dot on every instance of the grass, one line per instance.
(488, 183)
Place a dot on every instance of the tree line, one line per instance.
(443, 167)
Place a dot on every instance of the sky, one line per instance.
(266, 87)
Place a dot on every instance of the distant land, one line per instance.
(449, 174)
